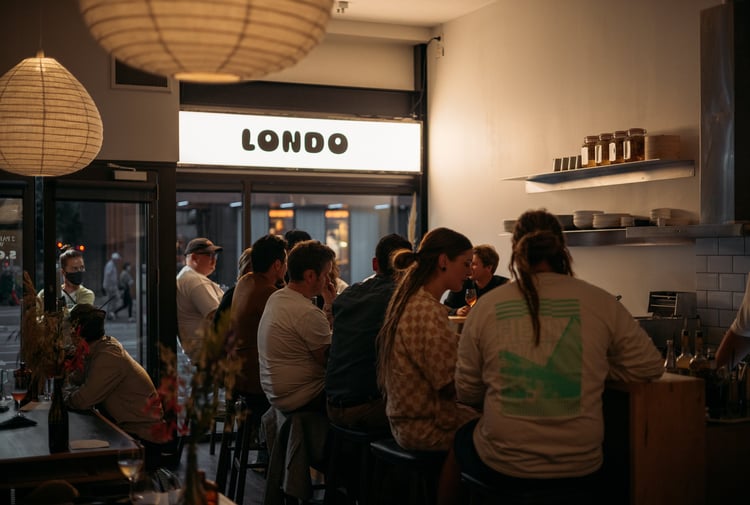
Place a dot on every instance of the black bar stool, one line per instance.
(240, 436)
(350, 463)
(420, 468)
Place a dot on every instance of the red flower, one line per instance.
(75, 363)
(166, 401)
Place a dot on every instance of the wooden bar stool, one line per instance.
(350, 463)
(420, 468)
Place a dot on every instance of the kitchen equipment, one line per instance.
(671, 311)
(672, 304)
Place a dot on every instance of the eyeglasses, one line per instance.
(211, 254)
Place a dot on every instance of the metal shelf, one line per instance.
(608, 175)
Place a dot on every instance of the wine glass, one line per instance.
(130, 461)
(20, 388)
(471, 296)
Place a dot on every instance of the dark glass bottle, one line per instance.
(58, 420)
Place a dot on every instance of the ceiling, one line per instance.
(423, 13)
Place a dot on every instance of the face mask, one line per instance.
(74, 278)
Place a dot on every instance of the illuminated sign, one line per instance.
(209, 138)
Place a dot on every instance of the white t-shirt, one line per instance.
(741, 324)
(197, 296)
(542, 405)
(290, 329)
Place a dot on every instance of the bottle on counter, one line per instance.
(588, 151)
(700, 366)
(57, 420)
(683, 360)
(670, 361)
(635, 145)
(602, 149)
(617, 147)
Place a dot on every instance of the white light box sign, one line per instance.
(209, 138)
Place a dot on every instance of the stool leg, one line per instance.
(234, 463)
(247, 434)
(363, 495)
(225, 453)
(331, 470)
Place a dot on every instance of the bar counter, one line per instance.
(655, 441)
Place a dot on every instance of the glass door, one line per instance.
(11, 283)
(113, 237)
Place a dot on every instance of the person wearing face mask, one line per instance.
(72, 291)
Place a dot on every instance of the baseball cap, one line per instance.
(201, 245)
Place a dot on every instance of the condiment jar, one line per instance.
(588, 151)
(617, 146)
(602, 149)
(635, 145)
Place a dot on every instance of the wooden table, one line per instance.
(25, 460)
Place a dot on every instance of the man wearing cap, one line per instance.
(116, 384)
(198, 297)
(111, 284)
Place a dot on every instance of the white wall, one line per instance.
(521, 83)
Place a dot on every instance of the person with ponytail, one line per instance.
(535, 354)
(417, 346)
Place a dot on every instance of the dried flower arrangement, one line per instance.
(216, 367)
(48, 346)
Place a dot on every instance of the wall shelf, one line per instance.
(608, 175)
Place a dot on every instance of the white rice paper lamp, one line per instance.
(49, 125)
(218, 41)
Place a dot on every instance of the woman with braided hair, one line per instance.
(534, 355)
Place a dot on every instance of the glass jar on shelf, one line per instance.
(602, 149)
(588, 151)
(635, 145)
(617, 146)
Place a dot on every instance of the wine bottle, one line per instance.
(670, 361)
(683, 360)
(58, 420)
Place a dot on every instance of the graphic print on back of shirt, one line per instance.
(540, 381)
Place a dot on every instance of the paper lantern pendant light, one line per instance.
(208, 41)
(49, 125)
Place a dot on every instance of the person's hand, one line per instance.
(329, 293)
(463, 311)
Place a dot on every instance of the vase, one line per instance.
(58, 420)
(193, 492)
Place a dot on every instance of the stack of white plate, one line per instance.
(663, 213)
(608, 220)
(584, 219)
(671, 217)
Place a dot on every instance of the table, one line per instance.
(25, 460)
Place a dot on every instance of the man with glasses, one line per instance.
(198, 297)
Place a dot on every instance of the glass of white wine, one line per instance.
(130, 461)
(471, 296)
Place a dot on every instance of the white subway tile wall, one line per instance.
(721, 269)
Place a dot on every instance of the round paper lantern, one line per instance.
(49, 125)
(208, 40)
